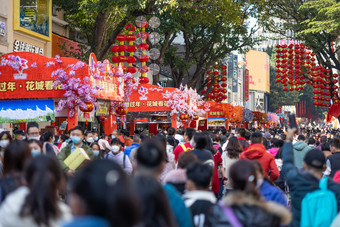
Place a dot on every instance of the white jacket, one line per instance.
(11, 207)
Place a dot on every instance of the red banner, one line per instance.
(246, 85)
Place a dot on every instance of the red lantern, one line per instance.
(224, 67)
(121, 38)
(114, 49)
(122, 48)
(130, 28)
(131, 59)
(143, 46)
(143, 58)
(215, 73)
(89, 108)
(195, 118)
(224, 73)
(224, 79)
(183, 117)
(224, 85)
(144, 80)
(121, 111)
(216, 66)
(144, 35)
(122, 58)
(115, 59)
(130, 38)
(131, 48)
(131, 69)
(204, 92)
(335, 75)
(144, 69)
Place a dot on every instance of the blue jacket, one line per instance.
(272, 193)
(128, 150)
(88, 221)
(301, 182)
(181, 212)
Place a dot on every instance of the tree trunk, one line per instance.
(99, 31)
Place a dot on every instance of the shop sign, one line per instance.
(27, 111)
(104, 109)
(2, 28)
(216, 122)
(246, 85)
(25, 47)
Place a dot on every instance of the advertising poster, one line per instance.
(104, 109)
(216, 122)
(27, 111)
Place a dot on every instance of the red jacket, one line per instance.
(215, 186)
(179, 149)
(258, 152)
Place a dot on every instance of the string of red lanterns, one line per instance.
(219, 76)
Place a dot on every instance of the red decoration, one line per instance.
(131, 59)
(183, 117)
(131, 48)
(144, 80)
(121, 38)
(121, 111)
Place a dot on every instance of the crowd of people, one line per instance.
(184, 178)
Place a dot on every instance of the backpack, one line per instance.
(318, 208)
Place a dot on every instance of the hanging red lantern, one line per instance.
(130, 27)
(144, 69)
(224, 79)
(195, 118)
(215, 73)
(224, 73)
(131, 48)
(131, 59)
(204, 92)
(143, 46)
(89, 108)
(130, 38)
(122, 48)
(143, 35)
(216, 66)
(224, 85)
(335, 75)
(183, 117)
(224, 67)
(121, 38)
(122, 58)
(114, 49)
(115, 59)
(131, 69)
(143, 58)
(144, 80)
(121, 111)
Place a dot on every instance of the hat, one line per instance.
(19, 132)
(315, 158)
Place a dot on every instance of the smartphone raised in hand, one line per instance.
(292, 121)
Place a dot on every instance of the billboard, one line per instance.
(233, 71)
(27, 111)
(259, 70)
(246, 85)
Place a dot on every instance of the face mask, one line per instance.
(96, 138)
(112, 137)
(95, 152)
(23, 138)
(90, 140)
(259, 183)
(115, 148)
(35, 153)
(75, 139)
(4, 143)
(34, 138)
(192, 143)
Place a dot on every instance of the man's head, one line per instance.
(33, 130)
(125, 134)
(136, 139)
(188, 134)
(89, 137)
(240, 132)
(151, 158)
(77, 135)
(19, 134)
(198, 176)
(314, 162)
(224, 131)
(171, 131)
(95, 135)
(256, 137)
(323, 139)
(301, 138)
(335, 145)
(311, 141)
(115, 133)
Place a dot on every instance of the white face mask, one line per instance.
(259, 182)
(115, 148)
(90, 140)
(4, 143)
(34, 138)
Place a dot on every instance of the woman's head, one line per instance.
(200, 141)
(234, 148)
(47, 136)
(116, 145)
(5, 139)
(243, 177)
(154, 202)
(44, 177)
(95, 148)
(35, 147)
(102, 189)
(17, 153)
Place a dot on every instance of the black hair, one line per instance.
(265, 143)
(150, 155)
(43, 176)
(301, 138)
(186, 159)
(108, 193)
(224, 131)
(87, 133)
(325, 147)
(155, 205)
(46, 136)
(216, 138)
(115, 141)
(144, 136)
(311, 140)
(103, 136)
(256, 137)
(201, 141)
(6, 133)
(125, 133)
(171, 131)
(243, 177)
(172, 141)
(190, 132)
(336, 143)
(200, 174)
(31, 125)
(77, 128)
(283, 136)
(161, 138)
(17, 154)
(234, 148)
(241, 131)
(36, 142)
(247, 135)
(323, 139)
(63, 137)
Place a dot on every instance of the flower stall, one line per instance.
(59, 84)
